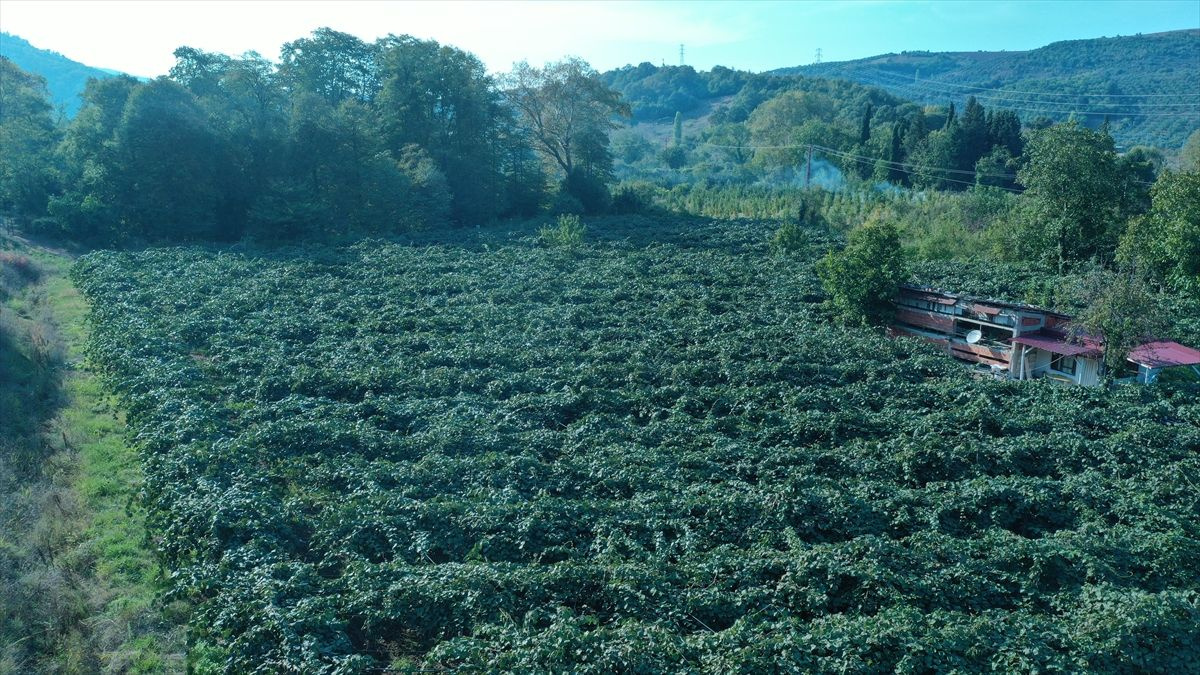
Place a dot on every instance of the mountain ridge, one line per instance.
(65, 77)
(1147, 85)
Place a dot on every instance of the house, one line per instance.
(1022, 342)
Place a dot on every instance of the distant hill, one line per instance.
(1147, 85)
(65, 78)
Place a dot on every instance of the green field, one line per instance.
(649, 452)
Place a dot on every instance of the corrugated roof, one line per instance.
(1057, 343)
(1164, 354)
(958, 297)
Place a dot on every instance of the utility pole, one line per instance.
(818, 55)
(681, 53)
(808, 171)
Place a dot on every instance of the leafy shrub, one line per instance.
(627, 200)
(567, 232)
(863, 279)
(790, 237)
(589, 189)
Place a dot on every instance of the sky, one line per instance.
(138, 37)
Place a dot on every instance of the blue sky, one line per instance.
(138, 37)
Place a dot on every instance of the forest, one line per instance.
(390, 364)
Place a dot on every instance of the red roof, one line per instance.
(1058, 344)
(1164, 354)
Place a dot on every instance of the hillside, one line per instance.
(1147, 85)
(65, 78)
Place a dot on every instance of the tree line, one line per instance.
(342, 136)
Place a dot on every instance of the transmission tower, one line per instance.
(818, 55)
(681, 53)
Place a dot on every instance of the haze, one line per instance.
(139, 37)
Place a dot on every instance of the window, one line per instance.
(1062, 364)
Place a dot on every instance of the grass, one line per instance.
(98, 543)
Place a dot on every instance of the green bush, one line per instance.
(790, 238)
(567, 232)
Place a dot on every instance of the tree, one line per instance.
(1189, 154)
(28, 136)
(567, 112)
(441, 99)
(974, 135)
(1070, 210)
(864, 128)
(1004, 129)
(165, 164)
(863, 279)
(87, 208)
(674, 156)
(678, 130)
(939, 155)
(993, 169)
(1120, 307)
(1165, 242)
(335, 66)
(733, 139)
(1136, 171)
(245, 105)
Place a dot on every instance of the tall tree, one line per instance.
(441, 99)
(896, 173)
(335, 66)
(568, 112)
(1166, 241)
(1004, 129)
(245, 106)
(87, 209)
(1071, 209)
(974, 135)
(28, 136)
(864, 128)
(165, 164)
(1122, 308)
(1189, 154)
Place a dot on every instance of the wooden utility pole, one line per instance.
(808, 171)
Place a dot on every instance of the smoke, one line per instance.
(824, 175)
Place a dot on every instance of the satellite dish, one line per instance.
(974, 336)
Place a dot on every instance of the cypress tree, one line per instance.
(895, 173)
(975, 135)
(864, 133)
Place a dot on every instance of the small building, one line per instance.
(1019, 341)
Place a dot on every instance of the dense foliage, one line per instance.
(863, 278)
(342, 138)
(646, 452)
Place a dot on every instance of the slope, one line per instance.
(1148, 86)
(65, 79)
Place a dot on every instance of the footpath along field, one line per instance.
(651, 452)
